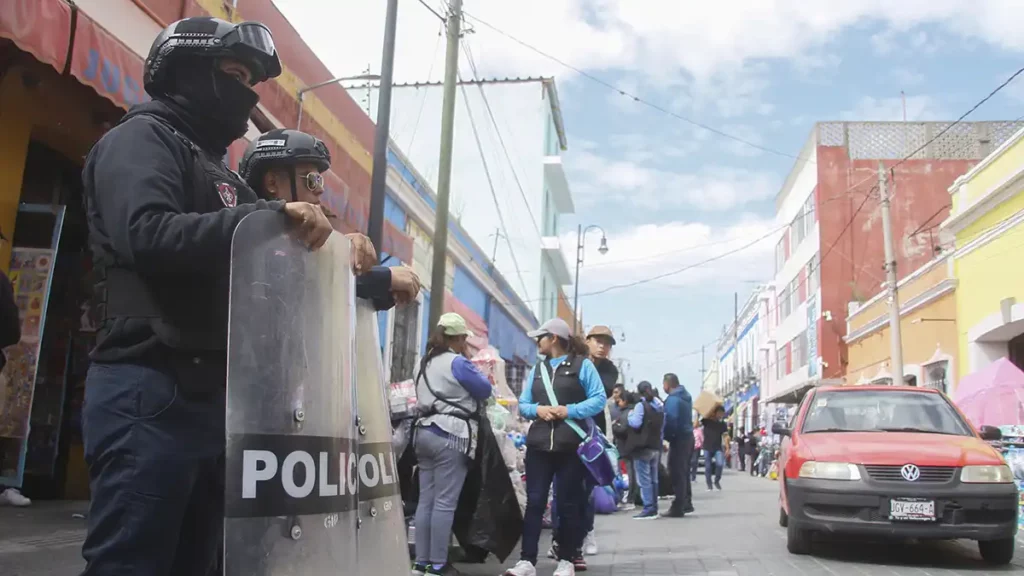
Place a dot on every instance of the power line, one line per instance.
(634, 97)
(430, 72)
(432, 11)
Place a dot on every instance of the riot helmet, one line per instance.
(249, 42)
(284, 148)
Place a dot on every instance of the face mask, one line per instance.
(233, 102)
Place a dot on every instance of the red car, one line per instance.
(893, 462)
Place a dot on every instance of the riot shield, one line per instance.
(383, 547)
(291, 491)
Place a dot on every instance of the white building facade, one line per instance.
(742, 361)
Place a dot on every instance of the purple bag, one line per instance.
(594, 447)
(604, 500)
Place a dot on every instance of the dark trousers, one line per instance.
(588, 507)
(680, 452)
(743, 459)
(564, 468)
(633, 493)
(156, 472)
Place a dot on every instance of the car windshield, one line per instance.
(883, 411)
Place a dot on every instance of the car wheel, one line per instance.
(783, 517)
(997, 552)
(797, 541)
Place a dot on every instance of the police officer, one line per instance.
(289, 165)
(162, 208)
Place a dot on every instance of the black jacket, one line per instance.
(609, 374)
(10, 322)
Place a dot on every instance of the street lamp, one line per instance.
(302, 91)
(581, 236)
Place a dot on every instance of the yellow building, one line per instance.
(987, 220)
(927, 324)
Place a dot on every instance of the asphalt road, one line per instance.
(734, 532)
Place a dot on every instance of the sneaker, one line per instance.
(672, 514)
(688, 510)
(564, 568)
(525, 568)
(628, 507)
(718, 484)
(710, 489)
(590, 544)
(418, 569)
(646, 516)
(553, 551)
(446, 570)
(579, 564)
(13, 497)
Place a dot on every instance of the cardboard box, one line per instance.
(705, 403)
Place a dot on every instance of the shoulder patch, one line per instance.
(228, 194)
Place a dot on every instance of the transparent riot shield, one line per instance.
(383, 547)
(291, 486)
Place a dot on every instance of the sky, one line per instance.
(642, 164)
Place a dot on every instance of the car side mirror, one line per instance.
(991, 433)
(780, 429)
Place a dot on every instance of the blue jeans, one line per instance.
(646, 470)
(156, 468)
(566, 470)
(713, 462)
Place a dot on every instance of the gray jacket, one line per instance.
(451, 406)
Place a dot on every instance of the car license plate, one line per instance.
(912, 509)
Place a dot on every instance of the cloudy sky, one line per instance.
(669, 192)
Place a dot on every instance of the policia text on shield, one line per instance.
(163, 210)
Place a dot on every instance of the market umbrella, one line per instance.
(993, 396)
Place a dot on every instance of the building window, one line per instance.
(403, 342)
(780, 254)
(515, 374)
(808, 215)
(813, 276)
(785, 307)
(783, 362)
(936, 376)
(800, 351)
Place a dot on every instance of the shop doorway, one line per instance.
(44, 380)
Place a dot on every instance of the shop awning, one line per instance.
(794, 394)
(40, 27)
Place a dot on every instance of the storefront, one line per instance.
(987, 219)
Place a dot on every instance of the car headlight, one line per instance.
(830, 471)
(986, 474)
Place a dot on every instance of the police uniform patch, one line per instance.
(228, 195)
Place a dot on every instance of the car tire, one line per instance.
(798, 541)
(997, 552)
(783, 517)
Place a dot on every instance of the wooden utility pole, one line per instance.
(444, 172)
(891, 280)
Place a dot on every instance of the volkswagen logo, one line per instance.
(910, 473)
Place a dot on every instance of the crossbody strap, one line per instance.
(545, 368)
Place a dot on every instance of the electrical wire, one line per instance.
(432, 11)
(426, 92)
(630, 95)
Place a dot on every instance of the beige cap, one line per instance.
(601, 331)
(454, 325)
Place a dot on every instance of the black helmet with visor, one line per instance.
(283, 147)
(249, 42)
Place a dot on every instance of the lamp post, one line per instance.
(301, 94)
(581, 236)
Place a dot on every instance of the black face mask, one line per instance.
(222, 102)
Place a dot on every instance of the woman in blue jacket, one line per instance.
(551, 442)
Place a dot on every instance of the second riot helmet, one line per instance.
(281, 147)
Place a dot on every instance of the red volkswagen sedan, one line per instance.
(897, 462)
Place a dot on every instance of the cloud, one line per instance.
(919, 108)
(649, 250)
(906, 77)
(603, 179)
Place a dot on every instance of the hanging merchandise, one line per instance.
(492, 365)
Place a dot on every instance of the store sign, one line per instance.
(39, 27)
(106, 65)
(812, 336)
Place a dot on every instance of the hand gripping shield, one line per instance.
(291, 486)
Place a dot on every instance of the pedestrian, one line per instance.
(741, 451)
(289, 165)
(643, 445)
(753, 449)
(714, 452)
(10, 334)
(679, 435)
(600, 341)
(162, 209)
(698, 446)
(563, 388)
(449, 390)
(613, 403)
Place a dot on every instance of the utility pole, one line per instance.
(378, 179)
(444, 172)
(895, 339)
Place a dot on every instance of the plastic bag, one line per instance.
(402, 397)
(490, 362)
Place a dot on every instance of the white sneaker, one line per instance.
(590, 544)
(13, 497)
(565, 568)
(524, 568)
(552, 552)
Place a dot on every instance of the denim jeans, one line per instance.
(646, 470)
(714, 462)
(564, 468)
(694, 461)
(442, 472)
(156, 469)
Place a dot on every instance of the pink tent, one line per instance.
(993, 396)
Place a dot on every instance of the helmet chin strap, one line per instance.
(295, 190)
